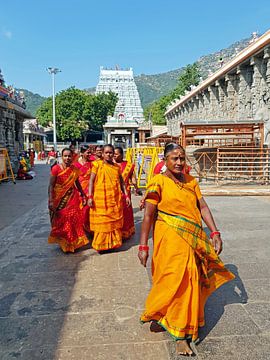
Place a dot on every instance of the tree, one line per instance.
(189, 76)
(76, 112)
(98, 108)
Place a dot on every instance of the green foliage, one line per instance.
(190, 76)
(76, 112)
(98, 108)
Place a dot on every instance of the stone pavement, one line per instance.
(86, 306)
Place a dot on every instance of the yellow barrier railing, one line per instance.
(145, 160)
(6, 171)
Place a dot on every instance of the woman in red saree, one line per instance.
(66, 206)
(128, 175)
(85, 165)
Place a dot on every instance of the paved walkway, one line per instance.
(86, 306)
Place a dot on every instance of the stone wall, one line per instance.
(11, 129)
(241, 94)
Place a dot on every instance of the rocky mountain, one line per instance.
(152, 87)
(33, 101)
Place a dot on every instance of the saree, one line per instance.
(185, 267)
(128, 229)
(67, 219)
(84, 177)
(106, 215)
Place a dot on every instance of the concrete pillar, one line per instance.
(133, 138)
(109, 139)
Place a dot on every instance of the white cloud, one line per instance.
(7, 33)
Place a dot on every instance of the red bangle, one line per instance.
(214, 233)
(90, 196)
(143, 248)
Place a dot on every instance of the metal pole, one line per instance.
(53, 71)
(54, 120)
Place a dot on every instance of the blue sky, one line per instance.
(151, 36)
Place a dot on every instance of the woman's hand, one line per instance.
(143, 256)
(90, 202)
(217, 243)
(128, 202)
(50, 206)
(138, 192)
(84, 200)
(142, 203)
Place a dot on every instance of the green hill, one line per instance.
(32, 101)
(152, 87)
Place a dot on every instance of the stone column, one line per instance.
(2, 129)
(230, 97)
(214, 102)
(255, 87)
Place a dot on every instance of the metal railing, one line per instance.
(237, 165)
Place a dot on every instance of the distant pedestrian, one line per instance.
(52, 157)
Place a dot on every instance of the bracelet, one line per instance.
(90, 196)
(213, 233)
(143, 248)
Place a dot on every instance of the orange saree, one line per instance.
(185, 267)
(85, 172)
(128, 229)
(106, 215)
(67, 219)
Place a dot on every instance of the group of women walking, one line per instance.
(90, 193)
(186, 267)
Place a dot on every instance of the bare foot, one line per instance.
(155, 327)
(182, 348)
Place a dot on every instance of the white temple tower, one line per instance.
(121, 127)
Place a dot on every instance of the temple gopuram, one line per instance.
(121, 128)
(12, 116)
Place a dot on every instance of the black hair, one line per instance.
(108, 145)
(66, 149)
(170, 147)
(99, 146)
(120, 149)
(84, 148)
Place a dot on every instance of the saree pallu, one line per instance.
(185, 267)
(67, 219)
(106, 215)
(128, 229)
(85, 172)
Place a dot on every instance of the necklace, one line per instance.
(179, 183)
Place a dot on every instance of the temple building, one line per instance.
(12, 116)
(121, 128)
(233, 103)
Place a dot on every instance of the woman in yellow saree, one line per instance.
(186, 268)
(129, 177)
(66, 206)
(105, 201)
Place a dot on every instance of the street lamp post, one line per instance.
(53, 71)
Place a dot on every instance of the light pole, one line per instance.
(53, 71)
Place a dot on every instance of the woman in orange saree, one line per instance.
(186, 268)
(85, 166)
(65, 205)
(128, 175)
(105, 201)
